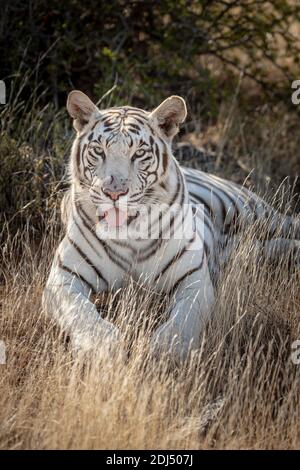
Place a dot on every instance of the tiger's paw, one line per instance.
(103, 342)
(171, 343)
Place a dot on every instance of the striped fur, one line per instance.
(135, 147)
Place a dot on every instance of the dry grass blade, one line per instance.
(240, 391)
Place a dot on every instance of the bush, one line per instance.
(150, 48)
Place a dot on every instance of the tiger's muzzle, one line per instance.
(115, 186)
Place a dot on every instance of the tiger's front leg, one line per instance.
(192, 306)
(66, 298)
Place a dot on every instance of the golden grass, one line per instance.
(240, 391)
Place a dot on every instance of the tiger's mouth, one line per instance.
(116, 217)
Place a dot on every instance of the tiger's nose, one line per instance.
(114, 187)
(114, 195)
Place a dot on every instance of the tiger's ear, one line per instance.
(168, 115)
(80, 108)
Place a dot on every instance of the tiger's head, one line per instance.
(122, 156)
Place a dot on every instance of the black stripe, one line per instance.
(138, 119)
(157, 244)
(174, 287)
(204, 203)
(214, 186)
(87, 260)
(165, 161)
(79, 276)
(95, 124)
(85, 238)
(104, 245)
(175, 258)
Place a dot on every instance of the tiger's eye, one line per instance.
(140, 152)
(99, 152)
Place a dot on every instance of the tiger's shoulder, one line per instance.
(65, 207)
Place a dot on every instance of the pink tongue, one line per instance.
(115, 218)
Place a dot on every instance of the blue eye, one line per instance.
(98, 151)
(140, 152)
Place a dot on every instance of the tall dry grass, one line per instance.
(241, 390)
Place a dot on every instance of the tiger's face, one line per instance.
(121, 155)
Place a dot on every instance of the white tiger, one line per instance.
(121, 162)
